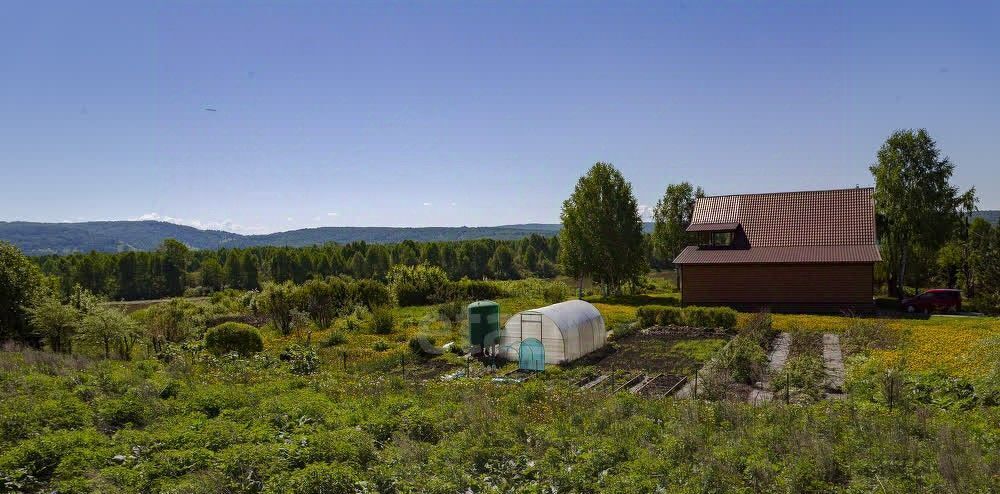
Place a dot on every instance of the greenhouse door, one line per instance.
(532, 355)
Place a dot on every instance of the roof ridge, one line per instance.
(791, 192)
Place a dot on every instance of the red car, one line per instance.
(938, 299)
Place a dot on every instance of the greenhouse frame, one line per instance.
(567, 331)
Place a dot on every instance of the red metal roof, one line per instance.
(778, 255)
(823, 220)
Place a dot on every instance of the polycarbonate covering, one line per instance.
(567, 330)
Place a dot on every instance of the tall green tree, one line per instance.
(212, 275)
(917, 205)
(20, 280)
(601, 232)
(110, 329)
(502, 265)
(278, 301)
(56, 322)
(671, 217)
(175, 259)
(233, 270)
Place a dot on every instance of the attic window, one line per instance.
(717, 239)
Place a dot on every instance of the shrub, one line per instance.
(658, 315)
(319, 478)
(624, 330)
(802, 377)
(743, 359)
(723, 317)
(382, 320)
(380, 346)
(371, 293)
(663, 315)
(759, 328)
(862, 335)
(335, 338)
(555, 293)
(302, 360)
(478, 290)
(233, 337)
(451, 311)
(416, 285)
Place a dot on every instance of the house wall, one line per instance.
(782, 287)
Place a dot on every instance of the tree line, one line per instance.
(174, 270)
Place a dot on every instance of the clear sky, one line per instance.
(470, 113)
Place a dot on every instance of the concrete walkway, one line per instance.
(761, 392)
(833, 361)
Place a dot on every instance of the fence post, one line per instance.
(787, 378)
(695, 395)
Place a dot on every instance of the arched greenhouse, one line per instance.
(567, 331)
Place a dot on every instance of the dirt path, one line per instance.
(775, 362)
(833, 361)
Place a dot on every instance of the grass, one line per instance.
(944, 343)
(700, 350)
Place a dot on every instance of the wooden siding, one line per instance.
(789, 287)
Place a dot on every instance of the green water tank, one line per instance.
(484, 322)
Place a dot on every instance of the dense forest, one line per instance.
(175, 270)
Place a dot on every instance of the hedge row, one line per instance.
(662, 315)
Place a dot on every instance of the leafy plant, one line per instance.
(802, 377)
(335, 338)
(743, 359)
(382, 320)
(302, 359)
(243, 339)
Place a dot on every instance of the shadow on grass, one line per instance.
(637, 300)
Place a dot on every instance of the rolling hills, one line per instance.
(118, 236)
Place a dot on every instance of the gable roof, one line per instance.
(811, 226)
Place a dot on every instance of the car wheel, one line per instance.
(953, 309)
(911, 309)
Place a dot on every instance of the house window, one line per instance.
(722, 239)
(717, 239)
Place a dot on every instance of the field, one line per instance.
(373, 416)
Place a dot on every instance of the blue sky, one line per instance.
(470, 113)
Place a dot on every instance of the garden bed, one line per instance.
(672, 350)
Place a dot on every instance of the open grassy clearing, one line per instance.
(197, 423)
(950, 344)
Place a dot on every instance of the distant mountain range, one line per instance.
(120, 236)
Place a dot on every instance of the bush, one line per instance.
(658, 315)
(759, 328)
(416, 285)
(319, 478)
(301, 359)
(624, 330)
(380, 346)
(382, 321)
(370, 293)
(478, 290)
(451, 311)
(233, 337)
(743, 359)
(555, 293)
(723, 317)
(663, 315)
(334, 339)
(803, 377)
